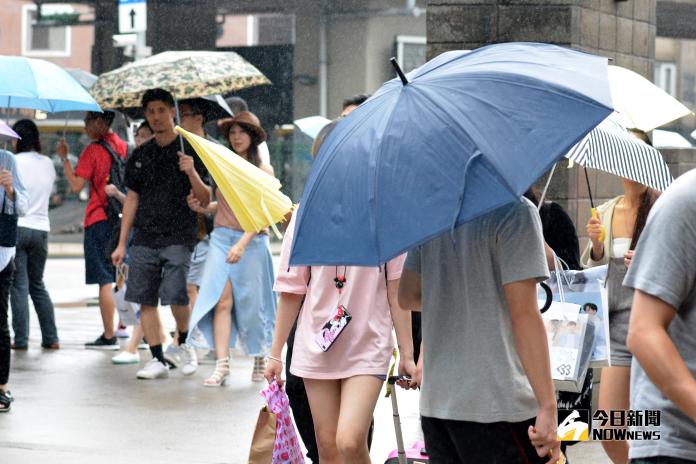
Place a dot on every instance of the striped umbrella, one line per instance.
(611, 148)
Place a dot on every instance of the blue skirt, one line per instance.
(254, 305)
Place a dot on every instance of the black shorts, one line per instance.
(98, 267)
(158, 274)
(455, 442)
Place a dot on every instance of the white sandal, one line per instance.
(222, 371)
(259, 369)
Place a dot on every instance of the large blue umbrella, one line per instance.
(467, 133)
(41, 85)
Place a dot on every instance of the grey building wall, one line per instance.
(621, 30)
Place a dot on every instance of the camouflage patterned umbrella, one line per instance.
(186, 74)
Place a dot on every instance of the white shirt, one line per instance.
(264, 153)
(38, 175)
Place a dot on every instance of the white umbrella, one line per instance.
(669, 139)
(640, 103)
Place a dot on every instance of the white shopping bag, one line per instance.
(570, 337)
(586, 289)
(128, 312)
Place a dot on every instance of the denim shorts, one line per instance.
(158, 274)
(98, 267)
(200, 252)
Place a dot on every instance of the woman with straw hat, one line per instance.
(236, 297)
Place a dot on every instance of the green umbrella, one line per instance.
(186, 74)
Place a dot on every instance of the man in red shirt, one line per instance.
(93, 167)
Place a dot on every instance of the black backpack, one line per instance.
(114, 208)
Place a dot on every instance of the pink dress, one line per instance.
(365, 346)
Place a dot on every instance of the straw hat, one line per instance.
(246, 119)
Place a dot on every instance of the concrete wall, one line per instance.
(623, 31)
(359, 48)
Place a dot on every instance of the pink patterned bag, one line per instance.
(287, 448)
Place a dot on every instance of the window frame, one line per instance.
(26, 51)
(660, 75)
(402, 40)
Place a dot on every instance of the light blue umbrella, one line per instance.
(41, 85)
(460, 136)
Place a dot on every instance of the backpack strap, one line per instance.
(110, 150)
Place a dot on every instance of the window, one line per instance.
(410, 51)
(45, 41)
(666, 77)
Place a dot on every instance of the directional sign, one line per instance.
(132, 16)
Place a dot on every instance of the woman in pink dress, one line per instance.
(343, 345)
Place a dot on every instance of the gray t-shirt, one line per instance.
(664, 266)
(471, 368)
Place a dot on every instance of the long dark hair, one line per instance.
(647, 200)
(30, 141)
(253, 151)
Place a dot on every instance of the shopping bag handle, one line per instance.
(549, 297)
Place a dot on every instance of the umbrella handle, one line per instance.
(595, 215)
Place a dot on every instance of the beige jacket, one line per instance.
(606, 213)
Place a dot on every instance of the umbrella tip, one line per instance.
(401, 74)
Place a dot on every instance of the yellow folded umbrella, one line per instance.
(253, 195)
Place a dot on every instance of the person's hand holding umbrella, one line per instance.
(596, 232)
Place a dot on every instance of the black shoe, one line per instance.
(103, 343)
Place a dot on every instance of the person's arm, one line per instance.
(649, 341)
(200, 190)
(11, 182)
(404, 337)
(113, 191)
(76, 183)
(196, 207)
(289, 305)
(410, 290)
(550, 261)
(130, 207)
(527, 330)
(234, 254)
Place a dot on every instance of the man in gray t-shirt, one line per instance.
(486, 373)
(662, 332)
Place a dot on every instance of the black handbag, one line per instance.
(8, 226)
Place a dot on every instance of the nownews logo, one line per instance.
(616, 425)
(637, 425)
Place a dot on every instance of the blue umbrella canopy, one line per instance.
(468, 132)
(41, 85)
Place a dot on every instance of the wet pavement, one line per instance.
(74, 407)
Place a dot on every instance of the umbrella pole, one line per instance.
(589, 189)
(546, 187)
(178, 123)
(65, 127)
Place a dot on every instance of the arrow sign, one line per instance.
(132, 16)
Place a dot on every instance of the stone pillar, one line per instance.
(621, 30)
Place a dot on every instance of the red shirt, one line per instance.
(94, 166)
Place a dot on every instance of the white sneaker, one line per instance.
(189, 361)
(124, 357)
(171, 355)
(153, 370)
